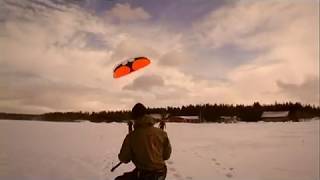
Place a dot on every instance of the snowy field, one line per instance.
(31, 150)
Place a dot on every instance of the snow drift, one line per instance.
(33, 150)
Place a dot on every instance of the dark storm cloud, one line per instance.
(308, 91)
(145, 83)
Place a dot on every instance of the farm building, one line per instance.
(228, 119)
(275, 116)
(156, 116)
(189, 119)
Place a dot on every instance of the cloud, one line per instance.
(126, 13)
(175, 58)
(57, 57)
(54, 60)
(45, 6)
(308, 91)
(69, 56)
(145, 83)
(32, 93)
(131, 47)
(282, 43)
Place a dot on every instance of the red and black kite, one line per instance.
(130, 66)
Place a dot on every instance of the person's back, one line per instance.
(147, 147)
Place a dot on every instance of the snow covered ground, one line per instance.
(32, 150)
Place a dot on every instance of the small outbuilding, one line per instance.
(188, 119)
(156, 116)
(275, 116)
(228, 119)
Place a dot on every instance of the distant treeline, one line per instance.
(207, 112)
(15, 116)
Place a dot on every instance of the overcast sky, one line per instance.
(59, 55)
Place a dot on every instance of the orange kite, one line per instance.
(130, 66)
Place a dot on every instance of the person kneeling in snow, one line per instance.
(147, 147)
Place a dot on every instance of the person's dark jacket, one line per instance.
(147, 146)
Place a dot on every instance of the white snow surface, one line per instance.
(35, 150)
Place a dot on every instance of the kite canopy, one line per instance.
(129, 66)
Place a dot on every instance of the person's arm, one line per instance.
(167, 148)
(125, 154)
